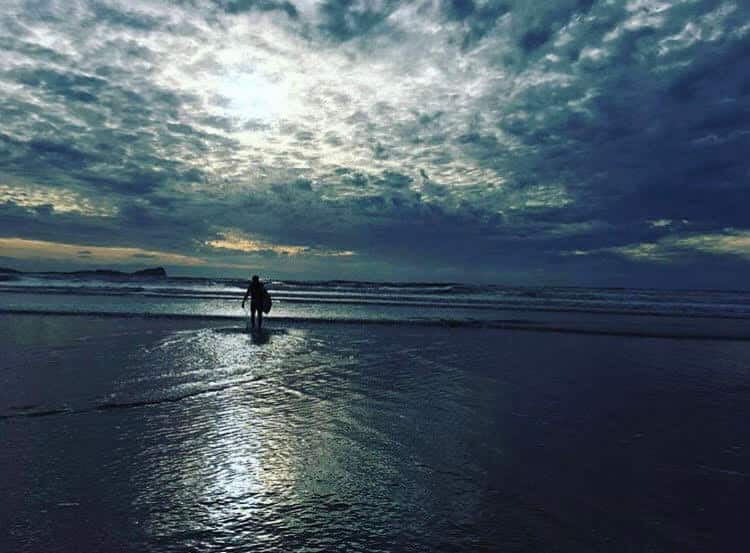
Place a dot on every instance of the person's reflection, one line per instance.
(260, 337)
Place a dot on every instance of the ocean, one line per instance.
(140, 414)
(712, 313)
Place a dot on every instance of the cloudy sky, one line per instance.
(536, 141)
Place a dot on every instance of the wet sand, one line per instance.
(127, 434)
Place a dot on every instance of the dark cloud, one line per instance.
(477, 19)
(10, 43)
(494, 135)
(76, 87)
(534, 38)
(58, 154)
(240, 6)
(347, 19)
(122, 18)
(393, 179)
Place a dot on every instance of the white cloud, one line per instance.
(676, 248)
(58, 199)
(234, 240)
(731, 242)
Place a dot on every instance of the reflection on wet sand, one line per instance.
(231, 451)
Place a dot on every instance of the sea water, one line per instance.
(663, 312)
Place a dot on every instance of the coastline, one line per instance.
(602, 324)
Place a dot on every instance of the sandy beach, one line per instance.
(165, 435)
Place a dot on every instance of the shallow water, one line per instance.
(132, 435)
(346, 299)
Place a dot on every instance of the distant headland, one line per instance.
(156, 272)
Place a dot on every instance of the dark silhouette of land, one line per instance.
(156, 272)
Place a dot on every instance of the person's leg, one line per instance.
(260, 319)
(252, 317)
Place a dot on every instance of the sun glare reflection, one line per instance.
(230, 456)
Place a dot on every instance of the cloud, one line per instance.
(20, 248)
(237, 242)
(682, 248)
(240, 6)
(731, 242)
(484, 136)
(346, 19)
(58, 200)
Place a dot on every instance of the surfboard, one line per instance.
(266, 303)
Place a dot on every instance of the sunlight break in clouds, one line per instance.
(233, 240)
(35, 249)
(59, 200)
(679, 248)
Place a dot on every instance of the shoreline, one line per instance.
(320, 299)
(497, 324)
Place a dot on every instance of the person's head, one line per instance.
(255, 278)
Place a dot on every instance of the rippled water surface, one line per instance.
(131, 435)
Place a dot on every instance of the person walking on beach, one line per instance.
(257, 291)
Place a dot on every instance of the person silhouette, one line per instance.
(256, 290)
